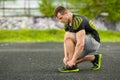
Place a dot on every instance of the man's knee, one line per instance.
(69, 37)
(69, 41)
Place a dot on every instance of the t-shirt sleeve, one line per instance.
(81, 26)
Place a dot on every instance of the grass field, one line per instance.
(50, 35)
(109, 36)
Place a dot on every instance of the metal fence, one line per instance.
(19, 8)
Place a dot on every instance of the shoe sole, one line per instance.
(99, 63)
(67, 71)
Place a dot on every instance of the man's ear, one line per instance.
(65, 12)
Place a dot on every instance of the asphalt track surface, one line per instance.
(40, 61)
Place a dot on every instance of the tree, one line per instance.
(113, 8)
(46, 8)
(93, 8)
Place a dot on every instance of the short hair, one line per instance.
(59, 9)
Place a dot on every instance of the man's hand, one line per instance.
(65, 60)
(71, 63)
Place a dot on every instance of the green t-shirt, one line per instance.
(81, 22)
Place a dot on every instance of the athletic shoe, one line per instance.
(66, 69)
(97, 62)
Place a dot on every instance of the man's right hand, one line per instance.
(65, 60)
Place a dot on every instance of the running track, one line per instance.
(39, 61)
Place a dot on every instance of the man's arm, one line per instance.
(80, 37)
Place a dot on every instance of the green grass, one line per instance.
(49, 36)
(109, 36)
(31, 35)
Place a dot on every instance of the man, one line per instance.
(81, 39)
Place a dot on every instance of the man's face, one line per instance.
(62, 17)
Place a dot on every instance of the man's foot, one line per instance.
(97, 62)
(66, 69)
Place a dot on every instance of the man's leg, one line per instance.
(91, 45)
(69, 47)
(95, 59)
(86, 58)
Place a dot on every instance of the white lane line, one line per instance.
(27, 50)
